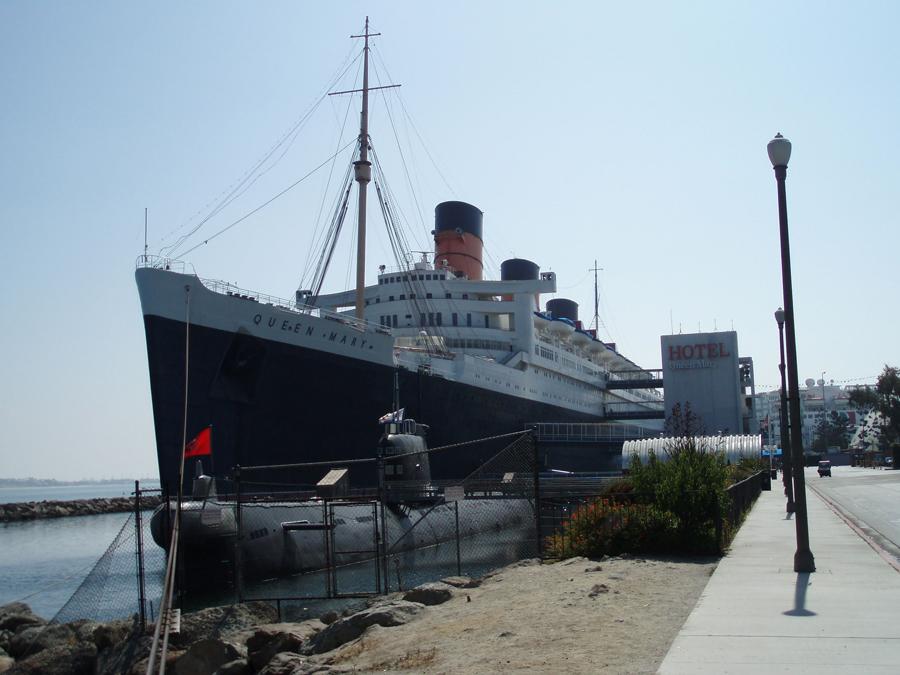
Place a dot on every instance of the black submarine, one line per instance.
(274, 539)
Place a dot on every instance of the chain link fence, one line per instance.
(243, 539)
(126, 580)
(246, 540)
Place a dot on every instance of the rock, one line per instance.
(577, 560)
(17, 614)
(378, 600)
(597, 590)
(461, 582)
(206, 656)
(285, 664)
(114, 632)
(59, 660)
(5, 637)
(342, 631)
(239, 667)
(126, 656)
(430, 594)
(84, 629)
(329, 618)
(232, 623)
(6, 661)
(276, 638)
(530, 562)
(29, 640)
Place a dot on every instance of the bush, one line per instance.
(748, 466)
(602, 527)
(664, 506)
(691, 484)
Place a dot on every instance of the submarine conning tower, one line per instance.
(458, 238)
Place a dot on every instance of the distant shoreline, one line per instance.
(24, 511)
(52, 482)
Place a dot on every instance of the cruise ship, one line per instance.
(306, 379)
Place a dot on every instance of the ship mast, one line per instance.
(363, 175)
(596, 321)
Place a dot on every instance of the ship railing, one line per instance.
(412, 269)
(227, 288)
(232, 290)
(590, 432)
(163, 263)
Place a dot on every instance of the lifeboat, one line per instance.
(608, 354)
(562, 327)
(596, 347)
(580, 338)
(541, 321)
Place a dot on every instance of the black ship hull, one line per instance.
(272, 403)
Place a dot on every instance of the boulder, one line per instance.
(17, 614)
(342, 631)
(329, 618)
(114, 632)
(232, 623)
(285, 664)
(60, 660)
(430, 594)
(461, 582)
(6, 661)
(84, 629)
(276, 638)
(206, 656)
(5, 637)
(29, 640)
(239, 667)
(125, 656)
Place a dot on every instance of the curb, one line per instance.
(888, 558)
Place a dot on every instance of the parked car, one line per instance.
(824, 468)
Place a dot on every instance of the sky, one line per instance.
(630, 134)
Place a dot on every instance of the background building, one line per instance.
(817, 399)
(704, 369)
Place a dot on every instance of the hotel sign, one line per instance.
(703, 369)
(700, 355)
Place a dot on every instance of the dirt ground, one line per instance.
(577, 616)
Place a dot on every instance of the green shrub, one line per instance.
(602, 527)
(691, 484)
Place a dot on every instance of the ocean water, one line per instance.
(63, 493)
(42, 562)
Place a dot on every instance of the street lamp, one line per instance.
(779, 149)
(787, 454)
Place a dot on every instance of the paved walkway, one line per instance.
(757, 615)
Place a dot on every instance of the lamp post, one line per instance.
(779, 149)
(787, 454)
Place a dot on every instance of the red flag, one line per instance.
(200, 445)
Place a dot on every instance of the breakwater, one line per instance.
(12, 513)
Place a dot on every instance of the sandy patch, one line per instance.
(577, 616)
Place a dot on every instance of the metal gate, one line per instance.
(353, 553)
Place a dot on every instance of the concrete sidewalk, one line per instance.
(757, 615)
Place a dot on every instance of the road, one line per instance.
(870, 498)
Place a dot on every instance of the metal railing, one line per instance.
(235, 291)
